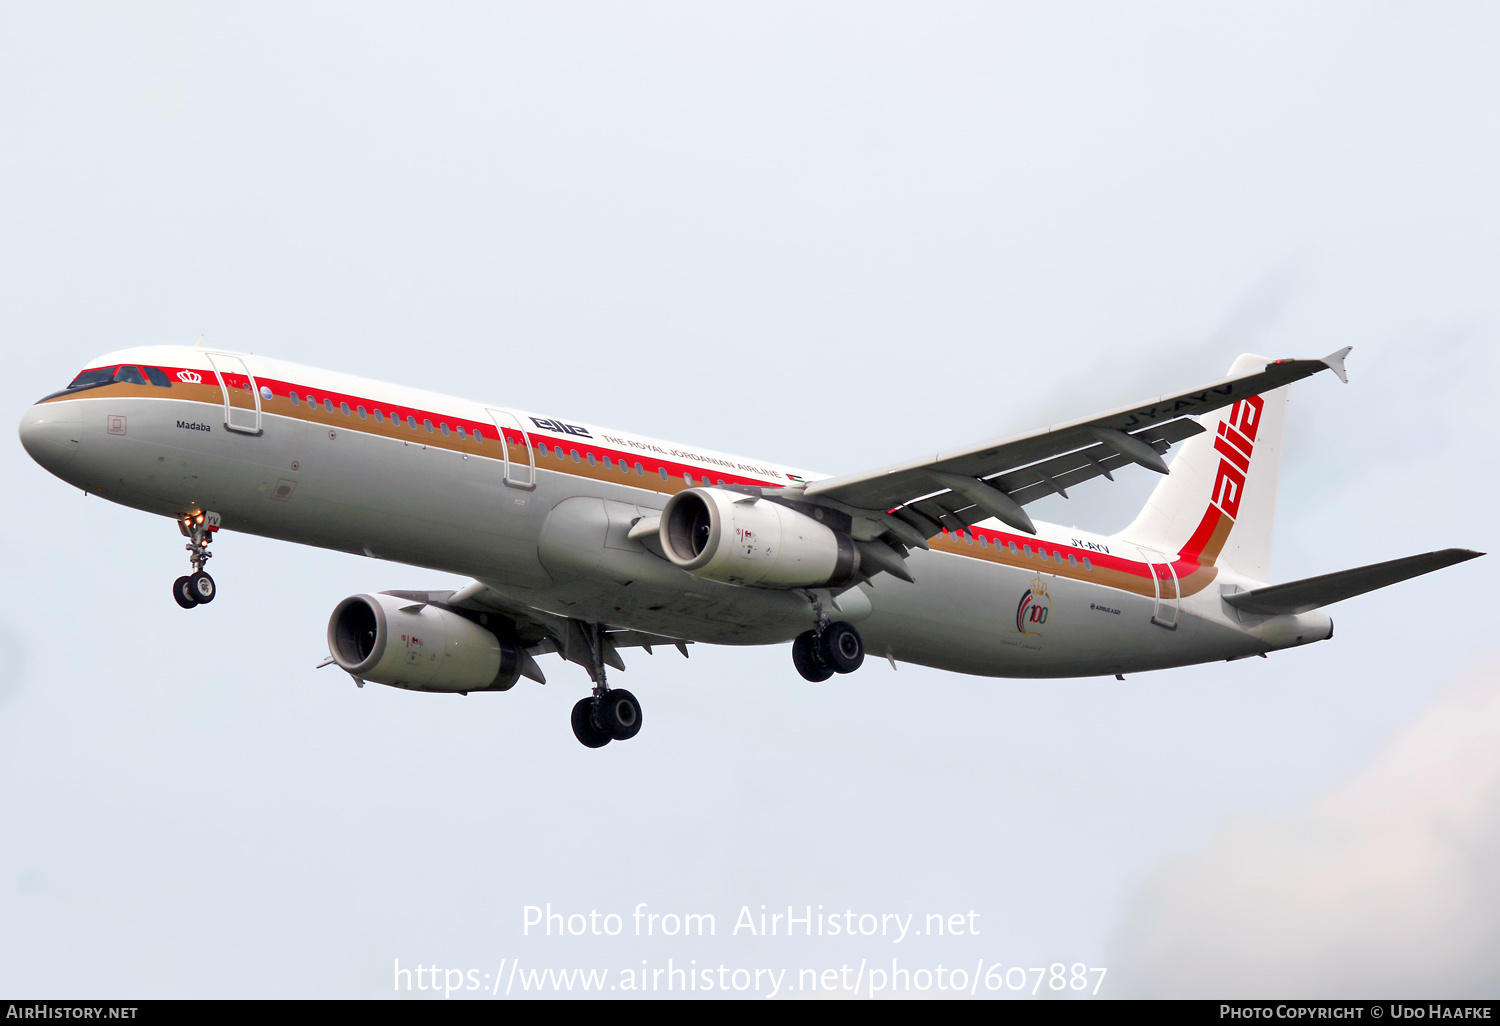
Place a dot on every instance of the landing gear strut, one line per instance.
(609, 714)
(829, 648)
(197, 588)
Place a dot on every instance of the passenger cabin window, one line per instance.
(1072, 559)
(362, 414)
(592, 461)
(478, 435)
(541, 448)
(129, 375)
(345, 408)
(158, 377)
(411, 422)
(444, 426)
(663, 472)
(640, 470)
(1028, 550)
(1042, 553)
(1086, 564)
(574, 453)
(461, 432)
(379, 417)
(687, 479)
(328, 404)
(296, 400)
(428, 425)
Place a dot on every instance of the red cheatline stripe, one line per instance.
(1188, 561)
(651, 462)
(1192, 552)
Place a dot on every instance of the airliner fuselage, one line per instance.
(344, 463)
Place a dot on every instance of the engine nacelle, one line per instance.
(738, 539)
(406, 644)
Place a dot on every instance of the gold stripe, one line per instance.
(281, 406)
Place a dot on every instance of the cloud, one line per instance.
(1387, 887)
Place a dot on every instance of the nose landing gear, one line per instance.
(197, 588)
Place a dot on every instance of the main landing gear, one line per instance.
(609, 714)
(197, 588)
(829, 648)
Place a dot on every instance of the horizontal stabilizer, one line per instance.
(1301, 596)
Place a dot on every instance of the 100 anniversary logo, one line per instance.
(1033, 609)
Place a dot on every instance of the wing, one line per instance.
(537, 632)
(917, 499)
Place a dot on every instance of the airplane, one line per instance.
(583, 540)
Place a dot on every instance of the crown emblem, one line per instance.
(1034, 609)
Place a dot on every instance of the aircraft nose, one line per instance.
(50, 433)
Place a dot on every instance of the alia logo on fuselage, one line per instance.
(561, 427)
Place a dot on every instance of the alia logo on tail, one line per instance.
(1236, 444)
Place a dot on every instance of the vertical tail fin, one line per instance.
(1218, 504)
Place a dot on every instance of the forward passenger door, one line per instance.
(520, 465)
(241, 393)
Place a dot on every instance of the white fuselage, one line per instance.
(544, 518)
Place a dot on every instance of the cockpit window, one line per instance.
(91, 378)
(129, 375)
(158, 377)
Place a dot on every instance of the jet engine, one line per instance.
(739, 538)
(420, 647)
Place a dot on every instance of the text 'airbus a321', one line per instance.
(583, 540)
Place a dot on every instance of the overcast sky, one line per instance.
(829, 235)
